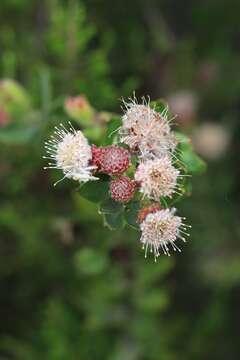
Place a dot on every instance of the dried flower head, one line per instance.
(157, 178)
(111, 160)
(122, 189)
(71, 153)
(145, 130)
(97, 153)
(161, 229)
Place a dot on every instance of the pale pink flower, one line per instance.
(146, 131)
(157, 178)
(160, 230)
(70, 152)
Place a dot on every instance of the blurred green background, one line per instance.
(70, 288)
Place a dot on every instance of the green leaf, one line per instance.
(160, 105)
(94, 133)
(188, 187)
(131, 214)
(193, 162)
(112, 128)
(164, 202)
(95, 191)
(114, 221)
(182, 138)
(112, 212)
(110, 206)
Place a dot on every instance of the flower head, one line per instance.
(111, 160)
(97, 154)
(79, 109)
(147, 131)
(157, 178)
(161, 229)
(122, 189)
(70, 151)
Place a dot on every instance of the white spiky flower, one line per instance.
(70, 152)
(157, 178)
(161, 229)
(146, 130)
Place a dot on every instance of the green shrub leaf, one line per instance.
(131, 214)
(159, 105)
(113, 214)
(190, 160)
(95, 191)
(112, 128)
(193, 162)
(110, 206)
(114, 221)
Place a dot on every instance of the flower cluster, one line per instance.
(148, 134)
(145, 136)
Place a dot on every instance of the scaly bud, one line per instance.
(122, 189)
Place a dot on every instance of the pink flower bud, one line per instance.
(122, 189)
(79, 109)
(111, 160)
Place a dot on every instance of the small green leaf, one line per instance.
(112, 212)
(131, 214)
(182, 138)
(112, 127)
(193, 162)
(164, 202)
(94, 133)
(188, 187)
(114, 220)
(95, 191)
(110, 206)
(159, 105)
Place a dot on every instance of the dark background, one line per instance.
(70, 288)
